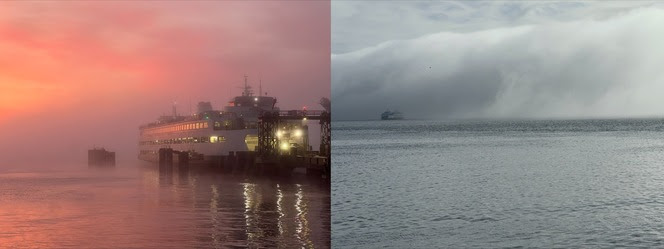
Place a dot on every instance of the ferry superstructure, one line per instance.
(208, 132)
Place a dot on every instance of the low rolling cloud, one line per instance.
(553, 65)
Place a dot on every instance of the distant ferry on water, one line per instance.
(208, 132)
(390, 115)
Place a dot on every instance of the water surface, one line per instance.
(487, 184)
(137, 207)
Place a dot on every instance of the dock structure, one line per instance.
(100, 157)
(170, 160)
(269, 122)
(268, 141)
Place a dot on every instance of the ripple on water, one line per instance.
(587, 183)
(140, 208)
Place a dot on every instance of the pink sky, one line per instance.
(78, 74)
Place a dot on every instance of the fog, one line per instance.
(580, 68)
(80, 74)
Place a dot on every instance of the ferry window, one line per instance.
(205, 125)
(221, 138)
(217, 124)
(213, 139)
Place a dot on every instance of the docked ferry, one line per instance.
(208, 132)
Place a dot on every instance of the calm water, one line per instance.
(136, 207)
(487, 184)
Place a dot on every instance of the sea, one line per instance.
(592, 183)
(136, 206)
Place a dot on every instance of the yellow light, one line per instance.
(304, 119)
(284, 146)
(213, 139)
(255, 99)
(298, 133)
(278, 133)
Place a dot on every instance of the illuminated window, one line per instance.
(205, 125)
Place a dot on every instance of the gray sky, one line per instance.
(497, 59)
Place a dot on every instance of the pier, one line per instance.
(269, 151)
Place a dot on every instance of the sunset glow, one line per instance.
(115, 65)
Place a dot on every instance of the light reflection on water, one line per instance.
(138, 208)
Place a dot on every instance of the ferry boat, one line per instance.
(390, 115)
(208, 132)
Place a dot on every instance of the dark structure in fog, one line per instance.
(100, 157)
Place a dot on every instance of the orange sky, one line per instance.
(69, 70)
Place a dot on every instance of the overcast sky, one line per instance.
(539, 59)
(80, 73)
